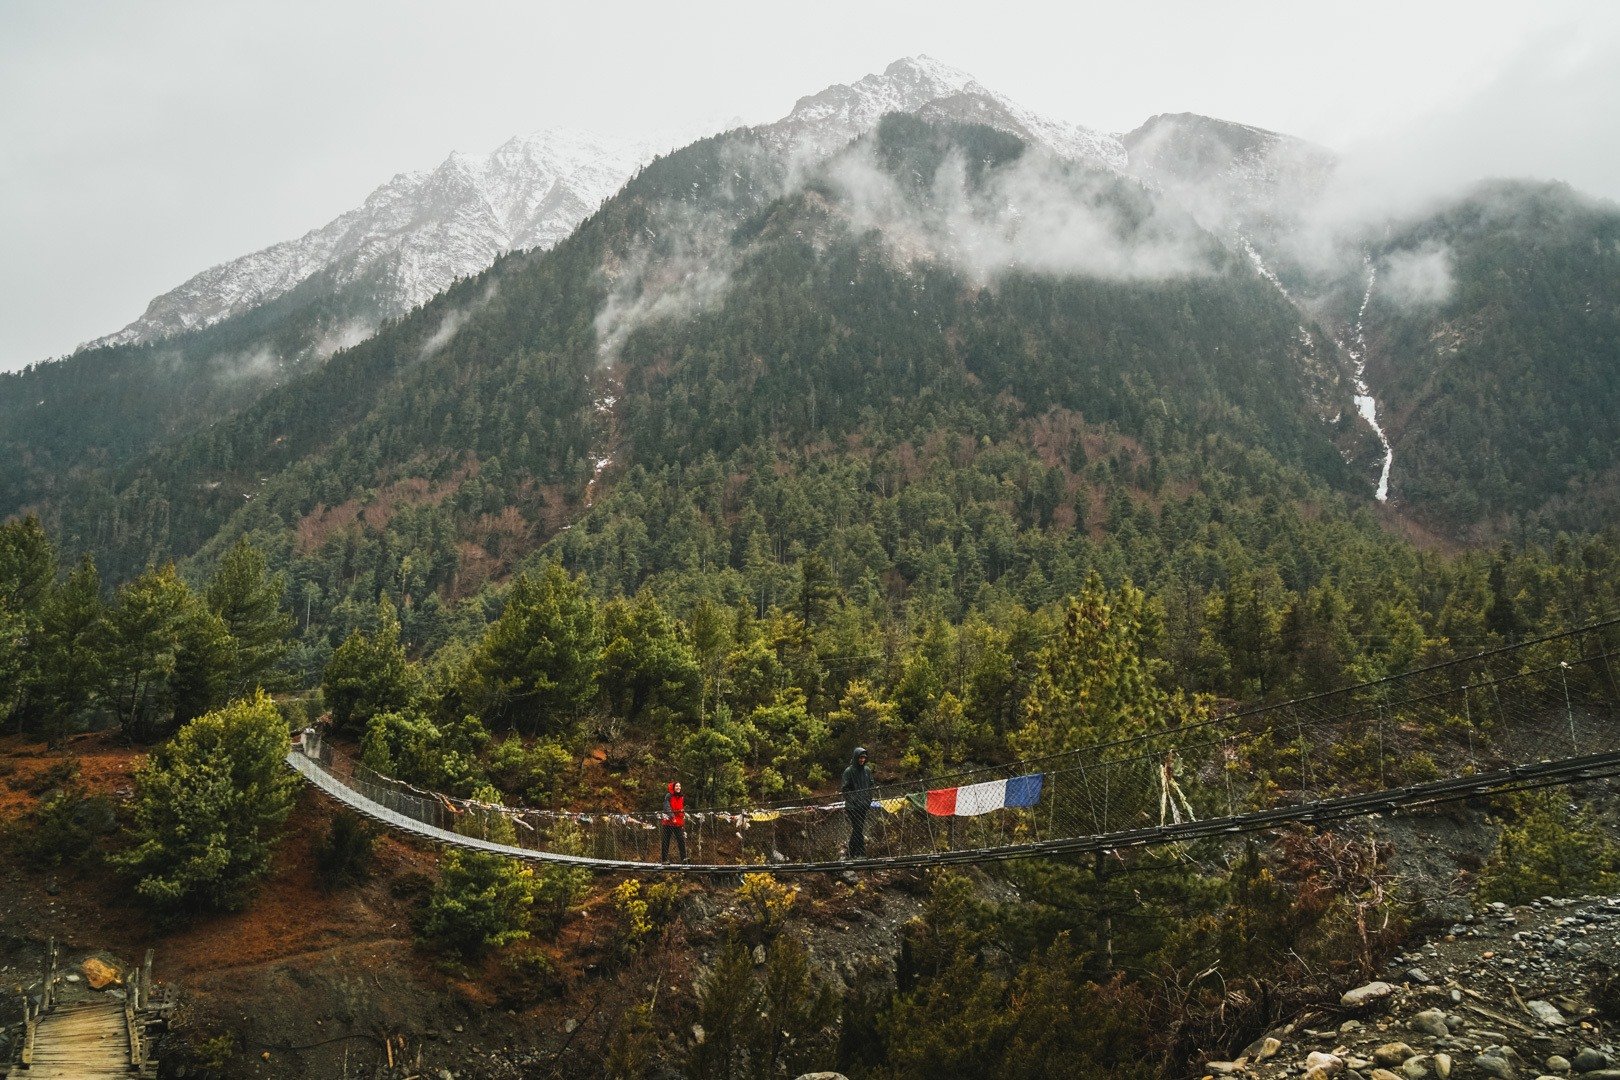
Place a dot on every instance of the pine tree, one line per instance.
(1098, 680)
(209, 806)
(166, 656)
(248, 598)
(537, 664)
(370, 674)
(70, 663)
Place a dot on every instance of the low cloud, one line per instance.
(685, 261)
(1417, 277)
(262, 363)
(452, 322)
(1035, 215)
(444, 332)
(343, 336)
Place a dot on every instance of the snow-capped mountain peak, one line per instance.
(820, 123)
(422, 229)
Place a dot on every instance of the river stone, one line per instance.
(1431, 1022)
(1493, 1065)
(1589, 1060)
(1384, 1074)
(1365, 995)
(1557, 1064)
(1601, 1074)
(1546, 1012)
(1262, 1048)
(1328, 1063)
(822, 1076)
(1442, 1066)
(1415, 1069)
(1393, 1055)
(1223, 1068)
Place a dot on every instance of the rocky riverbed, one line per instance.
(1509, 993)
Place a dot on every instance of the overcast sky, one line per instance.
(141, 143)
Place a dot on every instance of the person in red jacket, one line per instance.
(675, 819)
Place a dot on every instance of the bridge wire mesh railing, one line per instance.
(1549, 700)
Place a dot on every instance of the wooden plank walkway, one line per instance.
(81, 1042)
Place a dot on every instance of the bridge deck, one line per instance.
(81, 1042)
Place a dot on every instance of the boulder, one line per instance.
(1262, 1048)
(1442, 1066)
(1495, 1065)
(1393, 1055)
(100, 974)
(1363, 996)
(1589, 1060)
(1328, 1063)
(1546, 1012)
(1384, 1074)
(1557, 1064)
(1431, 1022)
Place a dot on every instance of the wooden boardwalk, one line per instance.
(81, 1042)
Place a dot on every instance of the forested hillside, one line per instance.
(1496, 339)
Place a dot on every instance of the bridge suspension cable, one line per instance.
(1538, 713)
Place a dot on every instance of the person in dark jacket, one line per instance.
(674, 819)
(857, 788)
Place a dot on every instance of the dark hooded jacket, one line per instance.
(858, 782)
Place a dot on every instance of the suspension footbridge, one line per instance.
(1531, 715)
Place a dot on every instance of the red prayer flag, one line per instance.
(942, 803)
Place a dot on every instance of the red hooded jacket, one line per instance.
(675, 808)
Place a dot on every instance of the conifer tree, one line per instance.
(248, 598)
(537, 664)
(209, 805)
(370, 674)
(166, 656)
(1098, 680)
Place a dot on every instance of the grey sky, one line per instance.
(145, 142)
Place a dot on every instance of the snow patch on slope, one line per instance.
(1366, 404)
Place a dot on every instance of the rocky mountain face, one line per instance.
(1225, 173)
(417, 233)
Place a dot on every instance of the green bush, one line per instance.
(64, 827)
(209, 807)
(1548, 850)
(533, 775)
(343, 853)
(778, 1021)
(482, 901)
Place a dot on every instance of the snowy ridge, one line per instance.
(423, 230)
(824, 122)
(416, 234)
